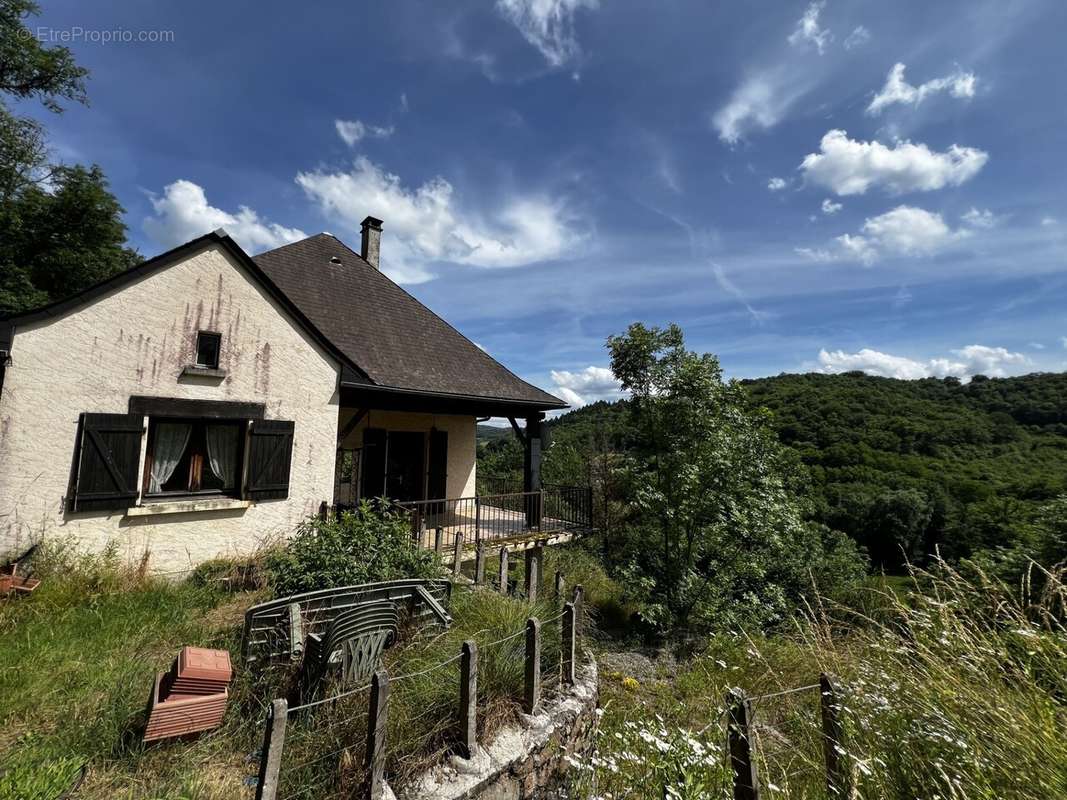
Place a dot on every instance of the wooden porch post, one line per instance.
(531, 469)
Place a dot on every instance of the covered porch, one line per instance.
(419, 451)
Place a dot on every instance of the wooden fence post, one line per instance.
(837, 771)
(457, 555)
(468, 699)
(532, 694)
(479, 564)
(503, 570)
(568, 643)
(438, 541)
(270, 762)
(533, 572)
(739, 736)
(559, 586)
(579, 602)
(376, 727)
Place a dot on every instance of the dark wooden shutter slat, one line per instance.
(270, 456)
(109, 453)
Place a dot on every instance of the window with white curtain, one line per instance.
(194, 456)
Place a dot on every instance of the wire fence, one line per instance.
(338, 744)
(789, 741)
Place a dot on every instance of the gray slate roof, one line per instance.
(396, 340)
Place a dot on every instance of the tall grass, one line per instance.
(76, 665)
(956, 690)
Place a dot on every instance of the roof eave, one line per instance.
(502, 403)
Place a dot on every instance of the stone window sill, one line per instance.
(187, 507)
(203, 372)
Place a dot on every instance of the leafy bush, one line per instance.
(605, 600)
(358, 546)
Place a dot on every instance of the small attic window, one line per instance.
(208, 346)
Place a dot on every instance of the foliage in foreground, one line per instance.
(358, 546)
(956, 690)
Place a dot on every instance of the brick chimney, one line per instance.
(371, 246)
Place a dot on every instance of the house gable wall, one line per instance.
(136, 341)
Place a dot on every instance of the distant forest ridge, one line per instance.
(903, 466)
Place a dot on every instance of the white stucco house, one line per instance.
(206, 401)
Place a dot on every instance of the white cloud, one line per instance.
(981, 219)
(897, 89)
(777, 184)
(1049, 222)
(425, 223)
(908, 230)
(859, 37)
(903, 231)
(352, 131)
(848, 166)
(758, 103)
(808, 31)
(829, 207)
(974, 359)
(547, 24)
(856, 248)
(1037, 345)
(1063, 341)
(586, 386)
(183, 213)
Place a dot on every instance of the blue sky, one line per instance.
(849, 184)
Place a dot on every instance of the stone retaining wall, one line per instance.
(523, 762)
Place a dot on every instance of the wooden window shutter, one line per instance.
(270, 454)
(109, 452)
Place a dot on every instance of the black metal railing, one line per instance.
(438, 523)
(496, 484)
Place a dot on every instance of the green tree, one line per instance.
(896, 523)
(58, 240)
(28, 70)
(714, 535)
(61, 229)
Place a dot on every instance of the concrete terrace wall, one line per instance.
(136, 341)
(527, 762)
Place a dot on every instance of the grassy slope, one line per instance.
(79, 656)
(75, 672)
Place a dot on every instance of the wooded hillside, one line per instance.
(901, 466)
